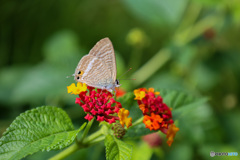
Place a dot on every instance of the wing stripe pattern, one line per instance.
(95, 71)
(104, 50)
(89, 67)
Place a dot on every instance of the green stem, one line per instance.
(136, 56)
(70, 150)
(137, 122)
(148, 69)
(89, 125)
(193, 31)
(180, 38)
(90, 140)
(92, 137)
(97, 140)
(190, 17)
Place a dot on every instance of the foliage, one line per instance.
(44, 128)
(187, 50)
(116, 149)
(47, 128)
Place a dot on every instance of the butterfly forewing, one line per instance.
(94, 72)
(104, 51)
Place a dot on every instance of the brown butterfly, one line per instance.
(98, 68)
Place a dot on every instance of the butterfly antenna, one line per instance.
(70, 76)
(127, 79)
(125, 72)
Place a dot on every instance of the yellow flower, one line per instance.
(123, 114)
(172, 130)
(139, 93)
(73, 89)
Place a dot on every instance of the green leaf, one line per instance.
(180, 101)
(130, 104)
(117, 149)
(157, 12)
(126, 100)
(142, 151)
(137, 131)
(44, 128)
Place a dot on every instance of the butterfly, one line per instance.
(98, 68)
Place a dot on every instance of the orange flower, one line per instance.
(153, 122)
(120, 92)
(73, 89)
(152, 105)
(157, 115)
(139, 93)
(172, 130)
(123, 114)
(152, 91)
(143, 108)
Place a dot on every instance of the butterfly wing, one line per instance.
(104, 51)
(93, 71)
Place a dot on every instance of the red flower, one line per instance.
(157, 115)
(97, 103)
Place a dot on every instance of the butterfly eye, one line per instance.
(77, 77)
(117, 82)
(80, 72)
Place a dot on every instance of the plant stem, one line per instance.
(97, 140)
(86, 130)
(85, 142)
(151, 66)
(92, 137)
(73, 148)
(196, 30)
(137, 122)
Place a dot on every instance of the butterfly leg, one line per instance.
(102, 89)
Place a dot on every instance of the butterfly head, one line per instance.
(78, 74)
(112, 87)
(117, 84)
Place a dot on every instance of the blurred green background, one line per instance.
(188, 45)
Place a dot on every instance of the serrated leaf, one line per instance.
(157, 12)
(181, 102)
(137, 131)
(43, 128)
(177, 99)
(117, 149)
(127, 99)
(130, 104)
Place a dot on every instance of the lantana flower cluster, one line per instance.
(99, 104)
(157, 115)
(102, 105)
